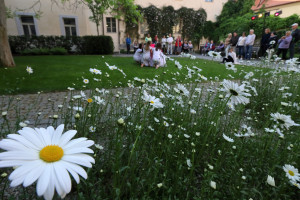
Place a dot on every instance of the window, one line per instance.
(28, 25)
(208, 0)
(70, 26)
(111, 25)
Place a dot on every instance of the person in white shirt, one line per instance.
(157, 55)
(241, 46)
(164, 42)
(138, 55)
(170, 43)
(249, 44)
(147, 55)
(231, 57)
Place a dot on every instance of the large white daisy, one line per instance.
(237, 94)
(283, 120)
(291, 172)
(183, 90)
(46, 156)
(153, 101)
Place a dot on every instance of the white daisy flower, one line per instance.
(284, 121)
(183, 89)
(92, 129)
(29, 70)
(78, 108)
(86, 81)
(291, 172)
(214, 54)
(153, 101)
(230, 66)
(188, 162)
(237, 94)
(99, 101)
(46, 156)
(227, 138)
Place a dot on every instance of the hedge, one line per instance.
(74, 44)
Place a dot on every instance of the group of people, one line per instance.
(240, 47)
(152, 52)
(286, 43)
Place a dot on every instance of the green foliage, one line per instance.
(162, 20)
(44, 51)
(74, 44)
(98, 45)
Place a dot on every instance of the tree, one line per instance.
(98, 8)
(6, 58)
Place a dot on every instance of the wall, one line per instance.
(287, 10)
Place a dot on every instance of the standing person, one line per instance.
(241, 46)
(284, 44)
(272, 43)
(128, 42)
(138, 55)
(135, 46)
(190, 47)
(170, 43)
(227, 44)
(234, 40)
(249, 44)
(296, 38)
(148, 39)
(147, 54)
(264, 41)
(164, 42)
(178, 45)
(155, 39)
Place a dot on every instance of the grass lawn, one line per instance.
(56, 73)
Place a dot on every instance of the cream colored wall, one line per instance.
(287, 10)
(212, 9)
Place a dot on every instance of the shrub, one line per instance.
(58, 51)
(35, 51)
(74, 44)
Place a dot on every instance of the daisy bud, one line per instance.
(244, 177)
(121, 121)
(221, 96)
(4, 175)
(159, 185)
(55, 116)
(170, 136)
(234, 147)
(77, 115)
(271, 181)
(213, 184)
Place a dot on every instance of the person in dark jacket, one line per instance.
(234, 40)
(272, 43)
(296, 38)
(264, 42)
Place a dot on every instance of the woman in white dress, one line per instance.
(158, 56)
(138, 55)
(146, 55)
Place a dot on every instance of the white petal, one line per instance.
(22, 140)
(44, 179)
(33, 175)
(74, 142)
(24, 169)
(12, 163)
(77, 150)
(57, 134)
(31, 135)
(66, 137)
(50, 131)
(80, 159)
(10, 145)
(19, 155)
(79, 170)
(48, 195)
(63, 177)
(17, 181)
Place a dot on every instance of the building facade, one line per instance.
(288, 7)
(71, 18)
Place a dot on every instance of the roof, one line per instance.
(271, 3)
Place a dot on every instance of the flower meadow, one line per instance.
(206, 139)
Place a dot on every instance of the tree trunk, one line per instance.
(97, 25)
(103, 24)
(6, 58)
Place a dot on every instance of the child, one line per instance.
(138, 55)
(157, 55)
(190, 46)
(135, 46)
(147, 55)
(231, 57)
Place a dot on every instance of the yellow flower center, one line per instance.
(90, 100)
(152, 102)
(51, 153)
(291, 173)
